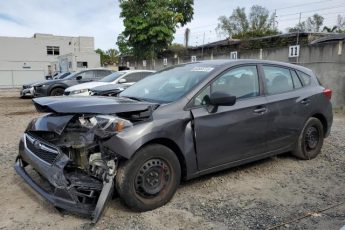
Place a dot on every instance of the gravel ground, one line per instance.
(280, 192)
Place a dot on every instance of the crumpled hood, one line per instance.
(87, 85)
(93, 105)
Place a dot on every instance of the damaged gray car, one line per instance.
(180, 123)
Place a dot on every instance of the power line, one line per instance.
(305, 17)
(328, 8)
(304, 4)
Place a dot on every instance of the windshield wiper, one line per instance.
(134, 98)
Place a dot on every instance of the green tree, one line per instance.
(258, 23)
(112, 56)
(150, 24)
(109, 57)
(340, 24)
(102, 56)
(329, 29)
(300, 27)
(312, 24)
(123, 45)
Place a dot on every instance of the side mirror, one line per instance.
(79, 78)
(223, 99)
(220, 99)
(122, 80)
(48, 77)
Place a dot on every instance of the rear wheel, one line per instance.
(57, 92)
(149, 179)
(310, 141)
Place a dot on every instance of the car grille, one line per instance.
(26, 86)
(66, 93)
(43, 150)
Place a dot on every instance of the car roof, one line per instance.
(137, 70)
(232, 62)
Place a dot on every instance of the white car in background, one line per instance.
(125, 77)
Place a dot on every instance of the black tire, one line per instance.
(310, 140)
(149, 179)
(57, 91)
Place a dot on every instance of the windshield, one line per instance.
(64, 75)
(112, 77)
(169, 84)
(72, 75)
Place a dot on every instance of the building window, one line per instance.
(82, 64)
(53, 50)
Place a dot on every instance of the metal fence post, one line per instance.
(12, 79)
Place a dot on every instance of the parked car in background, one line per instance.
(57, 87)
(108, 90)
(28, 89)
(182, 122)
(125, 77)
(62, 75)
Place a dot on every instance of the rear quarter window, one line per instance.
(305, 78)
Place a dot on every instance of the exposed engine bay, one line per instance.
(68, 151)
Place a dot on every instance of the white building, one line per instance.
(24, 60)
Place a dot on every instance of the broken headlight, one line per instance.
(105, 124)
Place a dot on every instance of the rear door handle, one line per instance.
(305, 101)
(260, 110)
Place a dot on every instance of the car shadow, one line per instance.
(244, 167)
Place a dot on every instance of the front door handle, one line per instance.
(260, 110)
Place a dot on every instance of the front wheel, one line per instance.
(310, 141)
(57, 92)
(149, 179)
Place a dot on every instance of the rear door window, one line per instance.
(86, 75)
(133, 77)
(102, 73)
(277, 79)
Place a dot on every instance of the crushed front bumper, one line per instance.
(72, 191)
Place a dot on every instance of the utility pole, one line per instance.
(299, 25)
(202, 48)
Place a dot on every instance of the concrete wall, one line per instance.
(16, 78)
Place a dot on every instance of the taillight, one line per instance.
(327, 93)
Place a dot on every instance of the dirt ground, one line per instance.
(260, 195)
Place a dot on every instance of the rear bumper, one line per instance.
(72, 191)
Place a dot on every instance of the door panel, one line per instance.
(284, 124)
(285, 105)
(231, 134)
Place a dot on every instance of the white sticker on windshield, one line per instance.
(202, 69)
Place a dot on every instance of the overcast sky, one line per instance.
(100, 18)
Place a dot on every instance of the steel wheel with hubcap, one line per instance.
(310, 141)
(149, 179)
